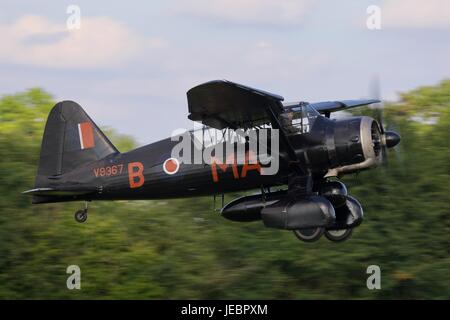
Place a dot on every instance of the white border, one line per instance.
(81, 136)
(176, 170)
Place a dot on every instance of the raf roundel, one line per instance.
(171, 166)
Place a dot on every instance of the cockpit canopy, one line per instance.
(298, 117)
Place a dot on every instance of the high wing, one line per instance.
(326, 107)
(223, 104)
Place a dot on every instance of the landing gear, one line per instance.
(314, 234)
(81, 215)
(338, 235)
(310, 234)
(301, 187)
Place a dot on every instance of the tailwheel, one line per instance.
(81, 215)
(338, 235)
(309, 234)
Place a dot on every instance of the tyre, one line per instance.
(310, 234)
(81, 216)
(338, 235)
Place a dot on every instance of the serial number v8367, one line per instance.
(108, 171)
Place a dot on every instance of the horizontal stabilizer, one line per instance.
(58, 192)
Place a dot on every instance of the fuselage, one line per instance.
(140, 173)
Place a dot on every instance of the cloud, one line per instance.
(100, 42)
(261, 12)
(416, 13)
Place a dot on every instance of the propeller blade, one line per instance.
(389, 138)
(378, 115)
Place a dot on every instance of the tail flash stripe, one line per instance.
(81, 136)
(86, 133)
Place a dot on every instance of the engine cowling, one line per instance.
(354, 145)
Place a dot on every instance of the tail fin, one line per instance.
(71, 139)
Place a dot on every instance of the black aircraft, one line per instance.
(79, 163)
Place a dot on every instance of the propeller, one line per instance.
(388, 138)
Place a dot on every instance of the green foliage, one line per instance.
(183, 249)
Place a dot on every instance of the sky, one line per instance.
(129, 64)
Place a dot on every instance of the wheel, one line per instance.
(81, 216)
(338, 235)
(310, 234)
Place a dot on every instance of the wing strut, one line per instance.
(293, 159)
